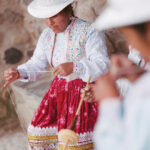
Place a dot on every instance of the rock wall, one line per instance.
(89, 10)
(27, 97)
(19, 33)
(18, 36)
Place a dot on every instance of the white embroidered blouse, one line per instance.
(79, 43)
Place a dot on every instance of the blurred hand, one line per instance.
(105, 87)
(89, 93)
(11, 75)
(121, 66)
(64, 69)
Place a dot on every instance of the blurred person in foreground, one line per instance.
(124, 124)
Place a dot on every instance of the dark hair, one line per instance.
(67, 9)
(141, 28)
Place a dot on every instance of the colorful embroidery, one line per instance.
(76, 49)
(79, 147)
(79, 68)
(77, 34)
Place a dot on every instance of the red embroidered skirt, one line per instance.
(56, 112)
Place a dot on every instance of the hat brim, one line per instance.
(114, 18)
(46, 12)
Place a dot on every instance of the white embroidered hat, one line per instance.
(120, 13)
(47, 8)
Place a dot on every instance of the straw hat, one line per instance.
(47, 8)
(120, 13)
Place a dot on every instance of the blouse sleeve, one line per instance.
(115, 131)
(96, 61)
(109, 126)
(36, 66)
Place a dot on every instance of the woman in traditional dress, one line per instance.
(75, 50)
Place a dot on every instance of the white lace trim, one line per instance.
(78, 144)
(38, 131)
(85, 137)
(43, 141)
(51, 146)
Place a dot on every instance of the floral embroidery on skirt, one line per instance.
(56, 111)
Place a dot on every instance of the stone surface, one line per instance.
(26, 2)
(11, 17)
(30, 53)
(21, 39)
(3, 110)
(8, 117)
(88, 9)
(1, 37)
(14, 140)
(12, 56)
(27, 97)
(115, 42)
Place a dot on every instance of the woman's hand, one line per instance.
(11, 75)
(64, 69)
(89, 93)
(120, 67)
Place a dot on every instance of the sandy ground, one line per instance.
(14, 140)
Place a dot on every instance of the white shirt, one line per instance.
(126, 125)
(94, 63)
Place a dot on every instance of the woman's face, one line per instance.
(59, 22)
(139, 41)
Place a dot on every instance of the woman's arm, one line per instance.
(33, 68)
(96, 61)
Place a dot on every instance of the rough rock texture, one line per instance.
(12, 56)
(8, 117)
(115, 42)
(9, 141)
(27, 97)
(89, 10)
